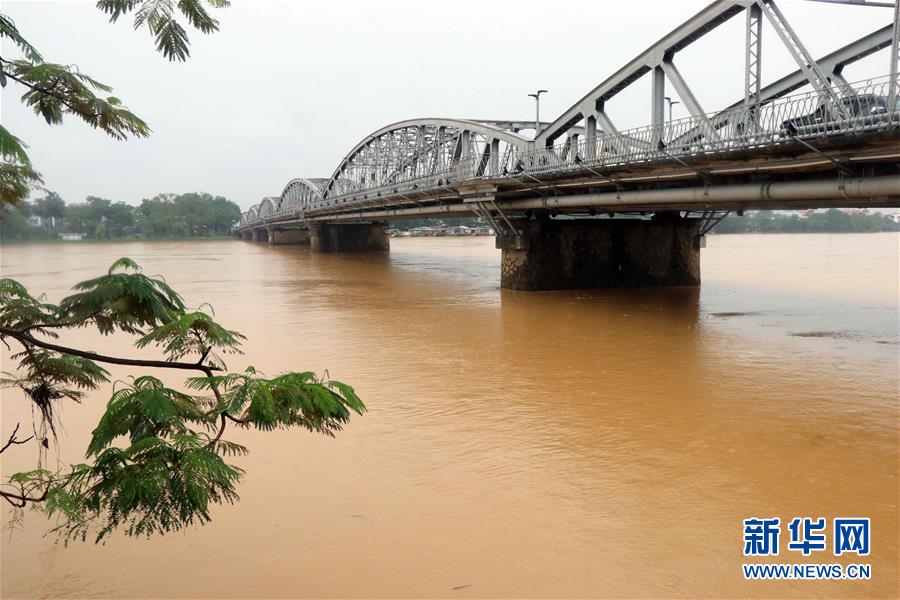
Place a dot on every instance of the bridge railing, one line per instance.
(860, 107)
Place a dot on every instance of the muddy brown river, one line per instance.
(603, 443)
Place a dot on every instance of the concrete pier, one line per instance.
(349, 237)
(288, 236)
(598, 253)
(260, 235)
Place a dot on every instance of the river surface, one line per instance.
(559, 444)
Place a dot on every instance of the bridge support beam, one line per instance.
(288, 236)
(246, 235)
(600, 253)
(259, 235)
(349, 237)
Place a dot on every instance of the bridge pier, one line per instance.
(349, 237)
(600, 253)
(278, 237)
(247, 235)
(260, 234)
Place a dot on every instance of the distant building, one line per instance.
(48, 224)
(449, 231)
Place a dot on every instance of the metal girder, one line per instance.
(753, 56)
(895, 57)
(607, 126)
(512, 125)
(814, 74)
(691, 30)
(687, 96)
(838, 78)
(833, 62)
(657, 103)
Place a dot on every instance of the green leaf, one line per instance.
(55, 90)
(17, 181)
(8, 30)
(12, 148)
(191, 333)
(197, 16)
(125, 301)
(117, 8)
(171, 39)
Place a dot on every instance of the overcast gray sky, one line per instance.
(286, 88)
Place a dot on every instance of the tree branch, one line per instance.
(50, 92)
(26, 338)
(235, 419)
(52, 325)
(221, 431)
(13, 440)
(22, 498)
(205, 354)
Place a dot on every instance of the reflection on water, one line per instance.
(587, 443)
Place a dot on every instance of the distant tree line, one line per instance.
(163, 216)
(829, 221)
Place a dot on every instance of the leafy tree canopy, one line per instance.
(829, 221)
(163, 216)
(55, 90)
(158, 458)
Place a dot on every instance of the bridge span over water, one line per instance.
(581, 203)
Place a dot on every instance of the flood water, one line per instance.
(558, 444)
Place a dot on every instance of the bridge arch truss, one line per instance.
(432, 152)
(301, 193)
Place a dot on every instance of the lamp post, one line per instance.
(671, 102)
(537, 111)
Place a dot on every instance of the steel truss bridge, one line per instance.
(835, 145)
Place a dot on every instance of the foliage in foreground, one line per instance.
(54, 90)
(158, 458)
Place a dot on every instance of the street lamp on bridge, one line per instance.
(537, 111)
(671, 102)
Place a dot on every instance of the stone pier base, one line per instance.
(349, 237)
(288, 236)
(600, 253)
(260, 235)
